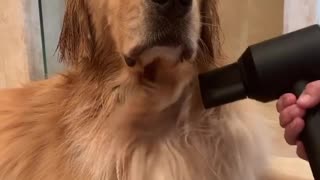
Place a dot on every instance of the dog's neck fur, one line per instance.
(128, 149)
(64, 128)
(181, 143)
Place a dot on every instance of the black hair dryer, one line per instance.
(264, 72)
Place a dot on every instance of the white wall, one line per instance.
(300, 13)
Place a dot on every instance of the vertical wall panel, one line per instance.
(234, 15)
(53, 11)
(265, 19)
(33, 40)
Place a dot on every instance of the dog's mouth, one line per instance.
(172, 49)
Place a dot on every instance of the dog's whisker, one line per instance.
(205, 16)
(207, 24)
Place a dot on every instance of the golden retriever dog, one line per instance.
(128, 106)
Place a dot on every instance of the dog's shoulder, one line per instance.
(28, 117)
(36, 104)
(15, 98)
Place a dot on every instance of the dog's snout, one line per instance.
(172, 8)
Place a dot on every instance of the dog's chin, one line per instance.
(157, 58)
(171, 54)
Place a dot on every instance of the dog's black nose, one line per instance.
(172, 8)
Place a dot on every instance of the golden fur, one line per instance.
(101, 121)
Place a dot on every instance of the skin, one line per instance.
(292, 110)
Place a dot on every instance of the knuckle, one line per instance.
(283, 119)
(283, 115)
(295, 111)
(289, 139)
(286, 97)
(278, 105)
(286, 137)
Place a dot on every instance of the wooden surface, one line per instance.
(265, 19)
(234, 16)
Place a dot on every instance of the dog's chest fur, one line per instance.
(193, 144)
(39, 142)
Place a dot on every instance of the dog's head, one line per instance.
(94, 30)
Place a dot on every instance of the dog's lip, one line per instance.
(139, 49)
(135, 53)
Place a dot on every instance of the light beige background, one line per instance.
(245, 22)
(13, 52)
(20, 43)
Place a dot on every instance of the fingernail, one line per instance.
(303, 99)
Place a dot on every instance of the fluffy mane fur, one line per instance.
(96, 122)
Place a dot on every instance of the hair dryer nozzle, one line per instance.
(222, 86)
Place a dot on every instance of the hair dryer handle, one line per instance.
(311, 133)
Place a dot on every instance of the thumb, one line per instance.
(310, 96)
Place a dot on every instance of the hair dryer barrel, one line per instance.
(265, 70)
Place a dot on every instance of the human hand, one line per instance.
(292, 111)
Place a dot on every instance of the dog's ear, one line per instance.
(210, 32)
(76, 38)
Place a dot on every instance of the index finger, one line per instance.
(285, 101)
